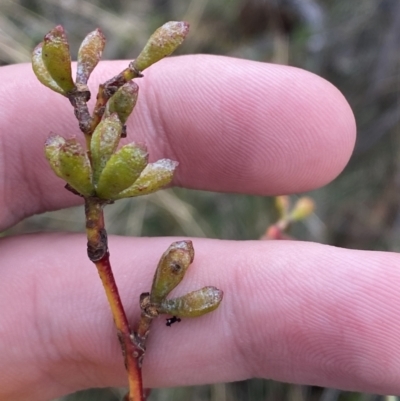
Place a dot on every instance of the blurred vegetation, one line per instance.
(353, 44)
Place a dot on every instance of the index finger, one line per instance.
(233, 125)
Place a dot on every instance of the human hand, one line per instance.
(292, 311)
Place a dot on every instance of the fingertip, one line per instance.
(302, 126)
(250, 127)
(311, 129)
(332, 135)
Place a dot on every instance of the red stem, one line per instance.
(99, 255)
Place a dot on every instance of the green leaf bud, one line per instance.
(154, 177)
(104, 142)
(193, 304)
(41, 71)
(52, 148)
(121, 171)
(162, 42)
(123, 101)
(56, 58)
(171, 269)
(303, 208)
(75, 167)
(89, 55)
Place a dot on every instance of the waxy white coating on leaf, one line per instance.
(154, 176)
(185, 244)
(41, 72)
(89, 55)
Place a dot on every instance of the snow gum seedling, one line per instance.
(103, 172)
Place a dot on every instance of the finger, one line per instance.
(233, 125)
(292, 311)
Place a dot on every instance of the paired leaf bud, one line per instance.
(112, 174)
(170, 271)
(303, 207)
(51, 60)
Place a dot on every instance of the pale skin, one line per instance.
(296, 312)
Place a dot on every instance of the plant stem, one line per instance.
(99, 255)
(148, 313)
(107, 89)
(78, 100)
(144, 328)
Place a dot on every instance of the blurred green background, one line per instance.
(353, 44)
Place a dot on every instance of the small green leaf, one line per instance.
(193, 304)
(56, 58)
(122, 169)
(89, 55)
(171, 269)
(154, 177)
(162, 42)
(41, 71)
(303, 208)
(123, 101)
(75, 167)
(52, 148)
(104, 142)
